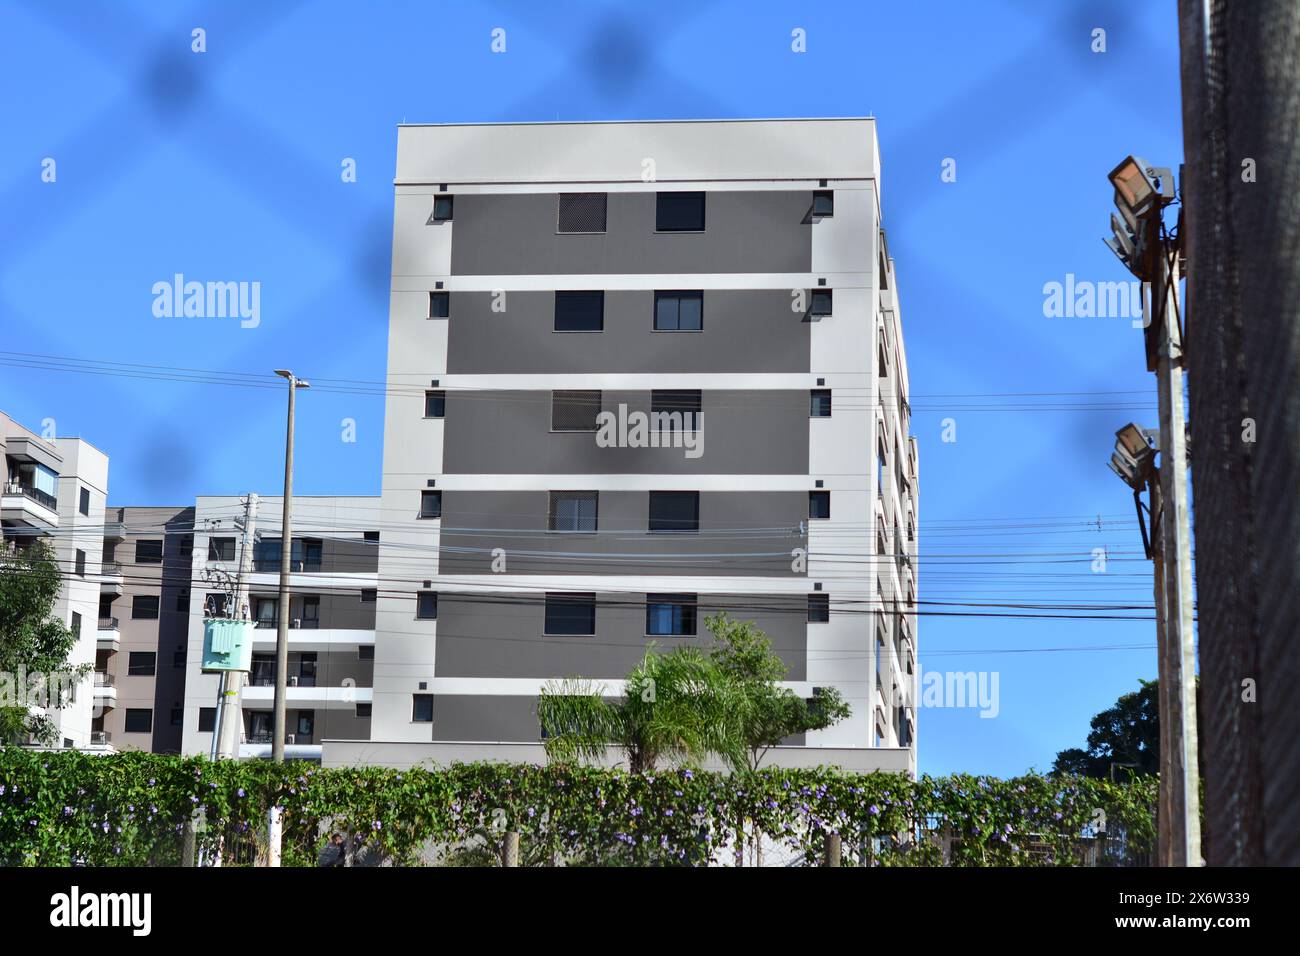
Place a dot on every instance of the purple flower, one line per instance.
(67, 811)
(376, 825)
(688, 775)
(241, 793)
(194, 799)
(873, 810)
(668, 813)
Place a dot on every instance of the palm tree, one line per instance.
(675, 706)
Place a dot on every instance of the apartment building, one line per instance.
(640, 373)
(143, 625)
(54, 490)
(334, 584)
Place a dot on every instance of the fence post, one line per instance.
(274, 831)
(510, 848)
(833, 848)
(187, 844)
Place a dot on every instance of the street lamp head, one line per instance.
(1126, 470)
(294, 381)
(1131, 442)
(1139, 187)
(284, 373)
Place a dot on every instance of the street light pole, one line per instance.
(286, 550)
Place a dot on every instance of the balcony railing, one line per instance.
(108, 624)
(295, 564)
(29, 491)
(100, 737)
(111, 569)
(103, 679)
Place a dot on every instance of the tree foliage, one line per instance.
(1126, 735)
(32, 640)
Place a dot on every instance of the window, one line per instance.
(573, 511)
(264, 611)
(819, 504)
(679, 311)
(139, 720)
(422, 708)
(426, 605)
(442, 207)
(363, 711)
(144, 607)
(880, 468)
(187, 546)
(676, 409)
(366, 652)
(674, 511)
(369, 595)
(221, 549)
(580, 212)
(76, 624)
(439, 305)
(823, 206)
(142, 664)
(819, 608)
(178, 658)
(183, 603)
(911, 529)
(430, 504)
(372, 536)
(679, 212)
(83, 504)
(79, 563)
(214, 605)
(435, 404)
(582, 311)
(820, 403)
(821, 302)
(882, 359)
(570, 614)
(148, 551)
(207, 720)
(670, 615)
(178, 716)
(311, 611)
(574, 410)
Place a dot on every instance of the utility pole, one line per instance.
(286, 550)
(1142, 244)
(228, 718)
(1181, 763)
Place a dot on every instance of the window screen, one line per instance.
(581, 212)
(574, 410)
(573, 511)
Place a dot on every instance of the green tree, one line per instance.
(32, 640)
(1126, 735)
(675, 706)
(769, 713)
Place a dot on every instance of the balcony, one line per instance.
(27, 505)
(111, 578)
(108, 637)
(101, 738)
(309, 698)
(105, 691)
(313, 638)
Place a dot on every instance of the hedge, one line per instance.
(61, 808)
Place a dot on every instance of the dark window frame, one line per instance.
(436, 397)
(439, 305)
(219, 546)
(556, 496)
(581, 299)
(819, 608)
(135, 608)
(136, 712)
(560, 605)
(816, 496)
(663, 295)
(663, 496)
(821, 303)
(684, 614)
(430, 495)
(559, 215)
(444, 207)
(144, 551)
(422, 599)
(819, 399)
(585, 403)
(675, 201)
(827, 197)
(421, 708)
(146, 667)
(83, 501)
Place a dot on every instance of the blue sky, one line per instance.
(226, 164)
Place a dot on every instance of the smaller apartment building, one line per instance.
(142, 628)
(333, 592)
(54, 490)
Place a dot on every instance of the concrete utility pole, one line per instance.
(1142, 244)
(229, 720)
(1179, 760)
(286, 550)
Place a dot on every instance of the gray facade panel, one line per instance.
(501, 635)
(745, 432)
(517, 521)
(515, 234)
(457, 717)
(744, 330)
